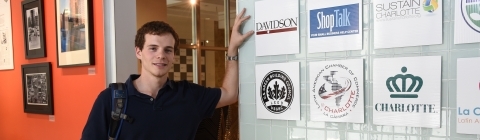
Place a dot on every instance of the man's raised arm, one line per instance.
(230, 81)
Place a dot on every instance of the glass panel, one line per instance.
(209, 21)
(233, 14)
(184, 66)
(214, 68)
(179, 16)
(210, 33)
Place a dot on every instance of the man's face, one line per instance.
(157, 55)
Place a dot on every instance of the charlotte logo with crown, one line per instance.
(336, 90)
(403, 91)
(405, 86)
(277, 91)
(407, 91)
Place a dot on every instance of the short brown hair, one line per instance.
(155, 28)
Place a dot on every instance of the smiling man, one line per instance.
(163, 108)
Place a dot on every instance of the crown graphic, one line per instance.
(393, 86)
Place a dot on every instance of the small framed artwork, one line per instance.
(74, 20)
(34, 33)
(37, 88)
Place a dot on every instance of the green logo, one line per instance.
(400, 92)
(430, 5)
(471, 13)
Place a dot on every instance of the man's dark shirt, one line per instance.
(174, 115)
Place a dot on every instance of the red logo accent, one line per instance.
(277, 31)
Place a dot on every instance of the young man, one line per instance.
(162, 108)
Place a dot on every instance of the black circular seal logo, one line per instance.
(276, 91)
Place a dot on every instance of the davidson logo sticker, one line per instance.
(276, 27)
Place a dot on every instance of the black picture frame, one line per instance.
(37, 88)
(33, 29)
(74, 29)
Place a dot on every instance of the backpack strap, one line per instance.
(119, 105)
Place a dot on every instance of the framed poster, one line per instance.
(37, 88)
(278, 91)
(74, 20)
(6, 45)
(407, 91)
(34, 33)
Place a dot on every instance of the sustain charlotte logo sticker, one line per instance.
(399, 10)
(470, 10)
(277, 91)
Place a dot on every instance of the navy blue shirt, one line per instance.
(174, 114)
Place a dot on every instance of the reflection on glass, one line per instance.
(183, 68)
(233, 11)
(211, 33)
(179, 16)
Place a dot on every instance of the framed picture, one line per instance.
(34, 33)
(37, 88)
(74, 20)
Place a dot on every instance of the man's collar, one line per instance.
(132, 90)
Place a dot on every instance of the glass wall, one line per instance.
(201, 27)
(252, 128)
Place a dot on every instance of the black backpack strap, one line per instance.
(119, 105)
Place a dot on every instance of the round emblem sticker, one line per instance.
(276, 91)
(336, 91)
(471, 13)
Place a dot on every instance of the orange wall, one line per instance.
(72, 99)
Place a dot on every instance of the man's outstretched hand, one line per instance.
(237, 38)
(231, 82)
